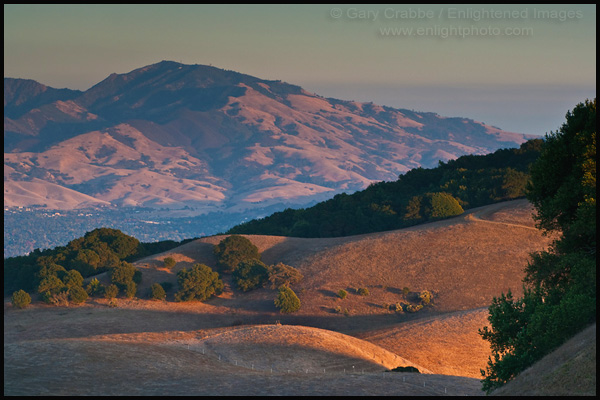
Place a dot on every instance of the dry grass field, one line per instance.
(238, 344)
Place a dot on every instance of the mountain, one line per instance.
(174, 135)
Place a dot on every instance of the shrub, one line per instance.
(405, 291)
(413, 309)
(111, 291)
(72, 279)
(398, 308)
(287, 301)
(130, 289)
(444, 205)
(342, 294)
(426, 297)
(250, 274)
(50, 284)
(432, 206)
(94, 288)
(157, 292)
(169, 262)
(20, 299)
(282, 274)
(198, 283)
(233, 250)
(77, 295)
(405, 369)
(57, 299)
(363, 291)
(122, 274)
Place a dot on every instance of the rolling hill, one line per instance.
(193, 348)
(174, 135)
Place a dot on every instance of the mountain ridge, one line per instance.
(159, 133)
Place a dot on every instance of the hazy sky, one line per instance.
(518, 67)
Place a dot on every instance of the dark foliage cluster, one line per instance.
(199, 282)
(560, 283)
(418, 196)
(237, 255)
(97, 251)
(57, 274)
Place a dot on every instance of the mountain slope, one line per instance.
(170, 135)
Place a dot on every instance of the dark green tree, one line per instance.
(77, 295)
(117, 242)
(94, 288)
(122, 274)
(20, 299)
(51, 284)
(72, 279)
(250, 274)
(286, 300)
(234, 249)
(169, 262)
(198, 283)
(560, 284)
(111, 291)
(130, 289)
(86, 261)
(157, 292)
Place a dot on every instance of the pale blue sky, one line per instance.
(467, 61)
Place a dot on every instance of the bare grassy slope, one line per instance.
(569, 370)
(277, 348)
(446, 344)
(58, 351)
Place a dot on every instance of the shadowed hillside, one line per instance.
(569, 370)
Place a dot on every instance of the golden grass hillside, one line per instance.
(141, 346)
(65, 357)
(465, 261)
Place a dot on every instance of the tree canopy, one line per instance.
(560, 284)
(250, 274)
(198, 283)
(234, 249)
(287, 301)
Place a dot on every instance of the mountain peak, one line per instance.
(173, 134)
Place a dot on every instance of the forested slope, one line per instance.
(419, 196)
